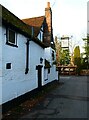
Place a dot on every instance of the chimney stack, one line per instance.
(48, 4)
(48, 33)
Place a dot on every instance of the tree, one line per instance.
(77, 58)
(72, 45)
(65, 58)
(58, 49)
(86, 53)
(62, 56)
(77, 52)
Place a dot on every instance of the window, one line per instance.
(11, 37)
(40, 35)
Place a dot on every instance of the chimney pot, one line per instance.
(48, 4)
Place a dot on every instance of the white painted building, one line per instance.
(22, 58)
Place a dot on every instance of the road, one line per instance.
(70, 100)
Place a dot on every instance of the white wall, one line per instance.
(48, 54)
(15, 81)
(53, 75)
(14, 78)
(0, 64)
(0, 51)
(36, 52)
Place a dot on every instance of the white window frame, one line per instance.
(8, 41)
(40, 35)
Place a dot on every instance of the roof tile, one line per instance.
(35, 22)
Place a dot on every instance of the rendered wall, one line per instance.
(53, 75)
(15, 81)
(36, 52)
(0, 64)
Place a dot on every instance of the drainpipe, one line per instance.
(27, 57)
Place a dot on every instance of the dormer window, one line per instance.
(11, 37)
(40, 35)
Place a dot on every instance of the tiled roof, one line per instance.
(10, 19)
(35, 22)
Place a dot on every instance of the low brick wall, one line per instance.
(84, 72)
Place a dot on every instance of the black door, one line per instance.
(39, 68)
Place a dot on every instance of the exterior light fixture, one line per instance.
(41, 60)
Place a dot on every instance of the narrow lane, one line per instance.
(67, 101)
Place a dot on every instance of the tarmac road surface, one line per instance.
(67, 101)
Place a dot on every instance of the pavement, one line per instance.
(70, 100)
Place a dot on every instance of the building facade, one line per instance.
(26, 59)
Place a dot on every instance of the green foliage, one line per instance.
(77, 58)
(65, 58)
(76, 52)
(85, 61)
(86, 47)
(77, 61)
(62, 56)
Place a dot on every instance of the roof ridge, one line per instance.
(10, 19)
(34, 17)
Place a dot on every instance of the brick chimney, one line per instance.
(48, 33)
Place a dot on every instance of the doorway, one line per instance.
(39, 68)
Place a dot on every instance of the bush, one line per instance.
(77, 61)
(84, 63)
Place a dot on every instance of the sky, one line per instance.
(69, 16)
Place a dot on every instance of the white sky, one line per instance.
(69, 16)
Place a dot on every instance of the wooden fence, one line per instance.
(67, 70)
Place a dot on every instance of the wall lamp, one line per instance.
(41, 60)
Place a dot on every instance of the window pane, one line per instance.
(11, 36)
